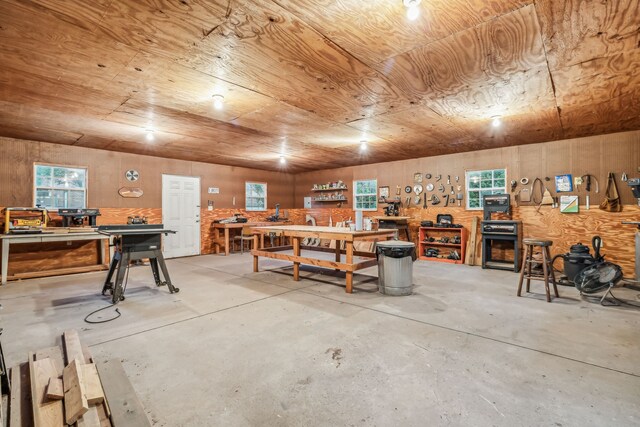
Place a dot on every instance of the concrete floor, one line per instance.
(243, 349)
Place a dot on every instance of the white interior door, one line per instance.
(181, 212)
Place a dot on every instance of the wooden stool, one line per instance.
(547, 268)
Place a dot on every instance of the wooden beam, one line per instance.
(75, 399)
(278, 248)
(55, 391)
(72, 347)
(58, 272)
(20, 412)
(93, 387)
(55, 354)
(349, 261)
(296, 261)
(91, 418)
(46, 413)
(102, 407)
(104, 414)
(126, 409)
(342, 251)
(317, 262)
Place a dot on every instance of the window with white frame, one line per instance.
(60, 186)
(256, 196)
(481, 183)
(365, 195)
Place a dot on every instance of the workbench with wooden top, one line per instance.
(224, 241)
(297, 233)
(49, 235)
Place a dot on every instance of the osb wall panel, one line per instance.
(595, 155)
(106, 171)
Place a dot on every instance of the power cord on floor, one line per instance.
(86, 319)
(124, 288)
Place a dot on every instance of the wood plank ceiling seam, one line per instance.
(553, 86)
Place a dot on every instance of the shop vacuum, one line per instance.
(589, 273)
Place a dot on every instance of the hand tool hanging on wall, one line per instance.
(408, 201)
(435, 200)
(448, 179)
(588, 179)
(457, 178)
(533, 192)
(424, 204)
(446, 199)
(438, 178)
(459, 197)
(611, 202)
(452, 192)
(441, 188)
(416, 201)
(397, 190)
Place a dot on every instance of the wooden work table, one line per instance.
(55, 236)
(219, 241)
(299, 232)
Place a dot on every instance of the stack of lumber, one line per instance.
(55, 389)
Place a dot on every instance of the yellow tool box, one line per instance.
(24, 220)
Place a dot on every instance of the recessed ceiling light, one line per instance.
(496, 122)
(149, 134)
(413, 10)
(218, 102)
(363, 145)
(283, 160)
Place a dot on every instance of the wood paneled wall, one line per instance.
(106, 176)
(563, 229)
(595, 155)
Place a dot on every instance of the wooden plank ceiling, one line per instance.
(312, 78)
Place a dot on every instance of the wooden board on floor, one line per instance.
(103, 408)
(91, 418)
(53, 353)
(93, 387)
(126, 409)
(55, 391)
(46, 413)
(20, 412)
(75, 400)
(73, 347)
(104, 414)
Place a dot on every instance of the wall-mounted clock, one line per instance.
(132, 175)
